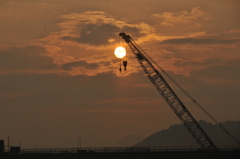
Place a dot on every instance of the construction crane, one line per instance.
(169, 95)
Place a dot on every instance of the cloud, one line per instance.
(235, 31)
(182, 17)
(115, 111)
(45, 59)
(97, 28)
(70, 65)
(185, 57)
(95, 34)
(25, 57)
(134, 103)
(101, 34)
(12, 95)
(226, 73)
(86, 41)
(208, 61)
(199, 41)
(83, 35)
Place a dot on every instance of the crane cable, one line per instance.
(190, 97)
(120, 65)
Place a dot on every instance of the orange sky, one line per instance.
(60, 78)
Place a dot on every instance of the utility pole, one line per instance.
(80, 141)
(77, 144)
(8, 145)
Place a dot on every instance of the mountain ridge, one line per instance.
(178, 135)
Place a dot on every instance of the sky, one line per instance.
(60, 80)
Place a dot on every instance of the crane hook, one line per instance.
(125, 65)
(120, 69)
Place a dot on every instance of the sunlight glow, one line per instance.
(120, 52)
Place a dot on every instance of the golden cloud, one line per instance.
(182, 17)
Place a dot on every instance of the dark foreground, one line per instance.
(130, 155)
(121, 153)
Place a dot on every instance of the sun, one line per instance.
(120, 52)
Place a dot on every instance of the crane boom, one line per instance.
(169, 95)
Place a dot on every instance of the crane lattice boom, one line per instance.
(171, 98)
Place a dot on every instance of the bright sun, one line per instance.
(120, 52)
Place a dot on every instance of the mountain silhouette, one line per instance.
(178, 135)
(128, 141)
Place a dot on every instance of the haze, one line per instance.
(60, 79)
